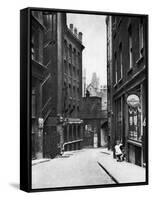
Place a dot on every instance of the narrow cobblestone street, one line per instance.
(76, 168)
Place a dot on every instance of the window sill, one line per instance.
(135, 142)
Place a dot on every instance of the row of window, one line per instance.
(71, 54)
(72, 91)
(71, 110)
(118, 56)
(71, 70)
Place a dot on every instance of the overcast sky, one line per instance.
(93, 28)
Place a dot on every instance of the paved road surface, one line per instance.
(77, 168)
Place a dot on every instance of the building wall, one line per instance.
(128, 76)
(72, 76)
(44, 82)
(52, 45)
(71, 87)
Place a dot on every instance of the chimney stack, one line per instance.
(75, 31)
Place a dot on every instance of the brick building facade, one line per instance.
(56, 62)
(127, 75)
(72, 88)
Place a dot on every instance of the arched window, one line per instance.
(70, 89)
(78, 108)
(74, 56)
(65, 67)
(79, 59)
(70, 69)
(74, 71)
(65, 49)
(70, 51)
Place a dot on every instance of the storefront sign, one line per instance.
(133, 100)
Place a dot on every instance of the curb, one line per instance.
(109, 174)
(42, 161)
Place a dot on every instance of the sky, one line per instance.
(94, 39)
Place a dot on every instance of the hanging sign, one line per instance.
(133, 100)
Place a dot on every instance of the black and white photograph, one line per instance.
(88, 94)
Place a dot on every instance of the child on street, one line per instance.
(118, 151)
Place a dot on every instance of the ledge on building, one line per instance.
(140, 60)
(130, 70)
(136, 143)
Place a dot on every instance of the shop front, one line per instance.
(135, 125)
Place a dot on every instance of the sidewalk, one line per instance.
(122, 172)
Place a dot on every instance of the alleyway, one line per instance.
(75, 168)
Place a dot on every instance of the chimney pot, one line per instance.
(80, 36)
(71, 27)
(75, 31)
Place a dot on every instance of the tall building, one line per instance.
(127, 84)
(56, 58)
(72, 87)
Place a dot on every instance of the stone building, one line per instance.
(102, 93)
(72, 87)
(127, 84)
(94, 121)
(56, 60)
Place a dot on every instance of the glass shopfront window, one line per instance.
(134, 120)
